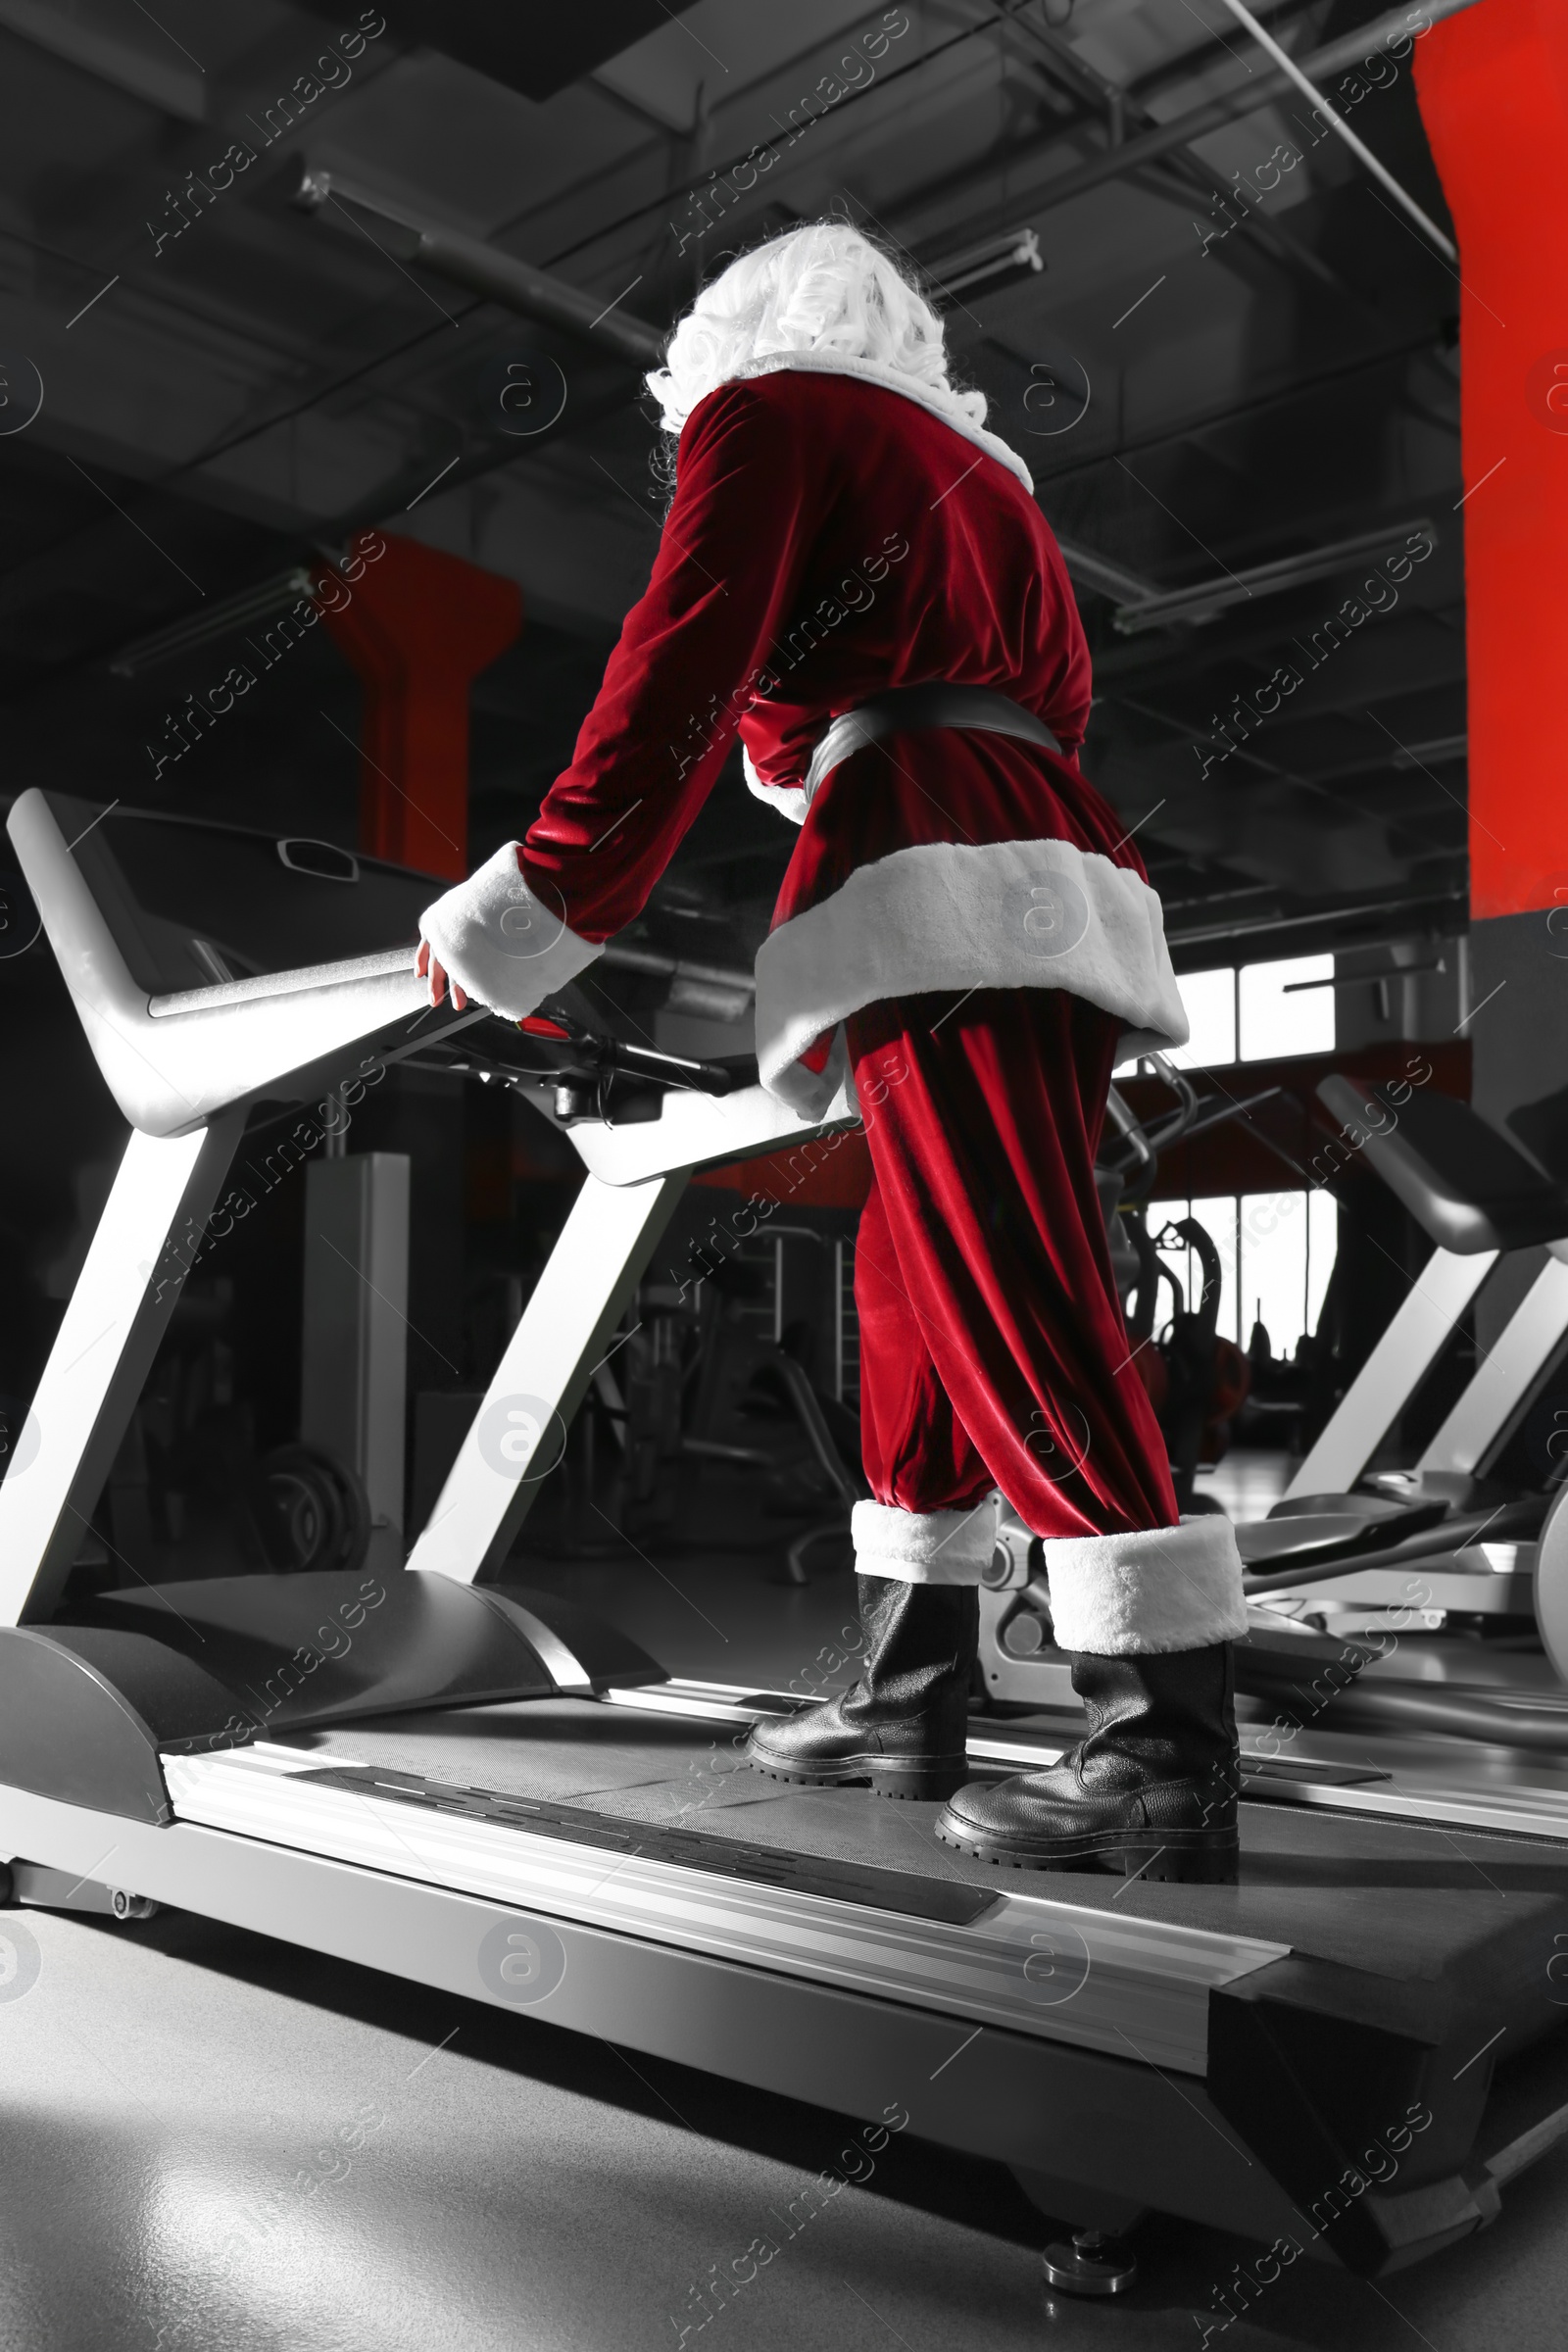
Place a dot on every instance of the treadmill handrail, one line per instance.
(172, 1063)
(389, 963)
(1532, 1210)
(175, 1063)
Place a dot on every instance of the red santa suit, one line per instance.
(965, 930)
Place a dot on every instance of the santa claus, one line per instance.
(854, 578)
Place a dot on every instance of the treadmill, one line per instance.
(1355, 1550)
(444, 1773)
(1431, 1599)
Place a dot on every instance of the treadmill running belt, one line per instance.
(945, 1899)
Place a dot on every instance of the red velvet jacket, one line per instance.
(831, 538)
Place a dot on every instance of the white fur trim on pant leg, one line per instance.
(503, 945)
(1167, 1588)
(923, 1548)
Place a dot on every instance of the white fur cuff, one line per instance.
(811, 1092)
(1167, 1588)
(923, 1548)
(502, 945)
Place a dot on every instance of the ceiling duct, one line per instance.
(536, 51)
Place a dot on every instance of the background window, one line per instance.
(1217, 1216)
(1323, 1242)
(1279, 1013)
(1261, 1012)
(1276, 1252)
(1274, 1234)
(1210, 1002)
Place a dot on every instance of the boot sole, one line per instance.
(1184, 1857)
(928, 1780)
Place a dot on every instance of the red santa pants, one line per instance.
(992, 1351)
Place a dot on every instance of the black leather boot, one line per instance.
(1151, 1791)
(902, 1726)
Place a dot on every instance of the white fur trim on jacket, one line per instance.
(788, 798)
(503, 946)
(952, 914)
(923, 1548)
(1130, 1596)
(936, 400)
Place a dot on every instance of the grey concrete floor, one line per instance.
(216, 2140)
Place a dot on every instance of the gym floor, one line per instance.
(220, 2140)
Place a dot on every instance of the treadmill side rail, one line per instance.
(1108, 2123)
(1127, 1986)
(1020, 2098)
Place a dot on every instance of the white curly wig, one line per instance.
(819, 296)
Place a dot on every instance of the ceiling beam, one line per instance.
(1215, 113)
(1206, 599)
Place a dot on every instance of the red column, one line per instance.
(419, 627)
(1493, 84)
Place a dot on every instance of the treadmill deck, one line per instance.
(1442, 1923)
(1028, 1954)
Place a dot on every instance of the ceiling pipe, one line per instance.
(1376, 922)
(1341, 130)
(497, 276)
(219, 621)
(123, 63)
(710, 991)
(1088, 571)
(1206, 599)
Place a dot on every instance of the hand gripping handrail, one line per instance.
(172, 1063)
